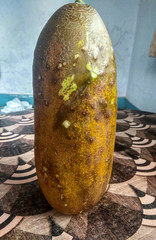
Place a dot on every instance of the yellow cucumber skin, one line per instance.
(75, 104)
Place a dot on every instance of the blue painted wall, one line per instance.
(130, 25)
(141, 90)
(20, 25)
(22, 22)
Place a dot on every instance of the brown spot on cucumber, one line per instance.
(107, 114)
(103, 102)
(112, 81)
(101, 74)
(56, 152)
(89, 139)
(39, 77)
(107, 159)
(54, 80)
(83, 48)
(57, 176)
(101, 150)
(62, 197)
(40, 95)
(75, 125)
(45, 169)
(46, 102)
(100, 47)
(93, 105)
(89, 159)
(96, 118)
(84, 113)
(97, 159)
(59, 66)
(72, 108)
(47, 66)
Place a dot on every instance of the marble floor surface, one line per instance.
(126, 211)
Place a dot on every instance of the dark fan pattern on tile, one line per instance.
(24, 173)
(6, 121)
(8, 222)
(130, 201)
(145, 167)
(15, 148)
(30, 201)
(148, 203)
(7, 136)
(25, 122)
(5, 172)
(112, 221)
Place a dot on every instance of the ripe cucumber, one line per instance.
(75, 104)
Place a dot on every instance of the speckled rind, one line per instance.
(74, 163)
